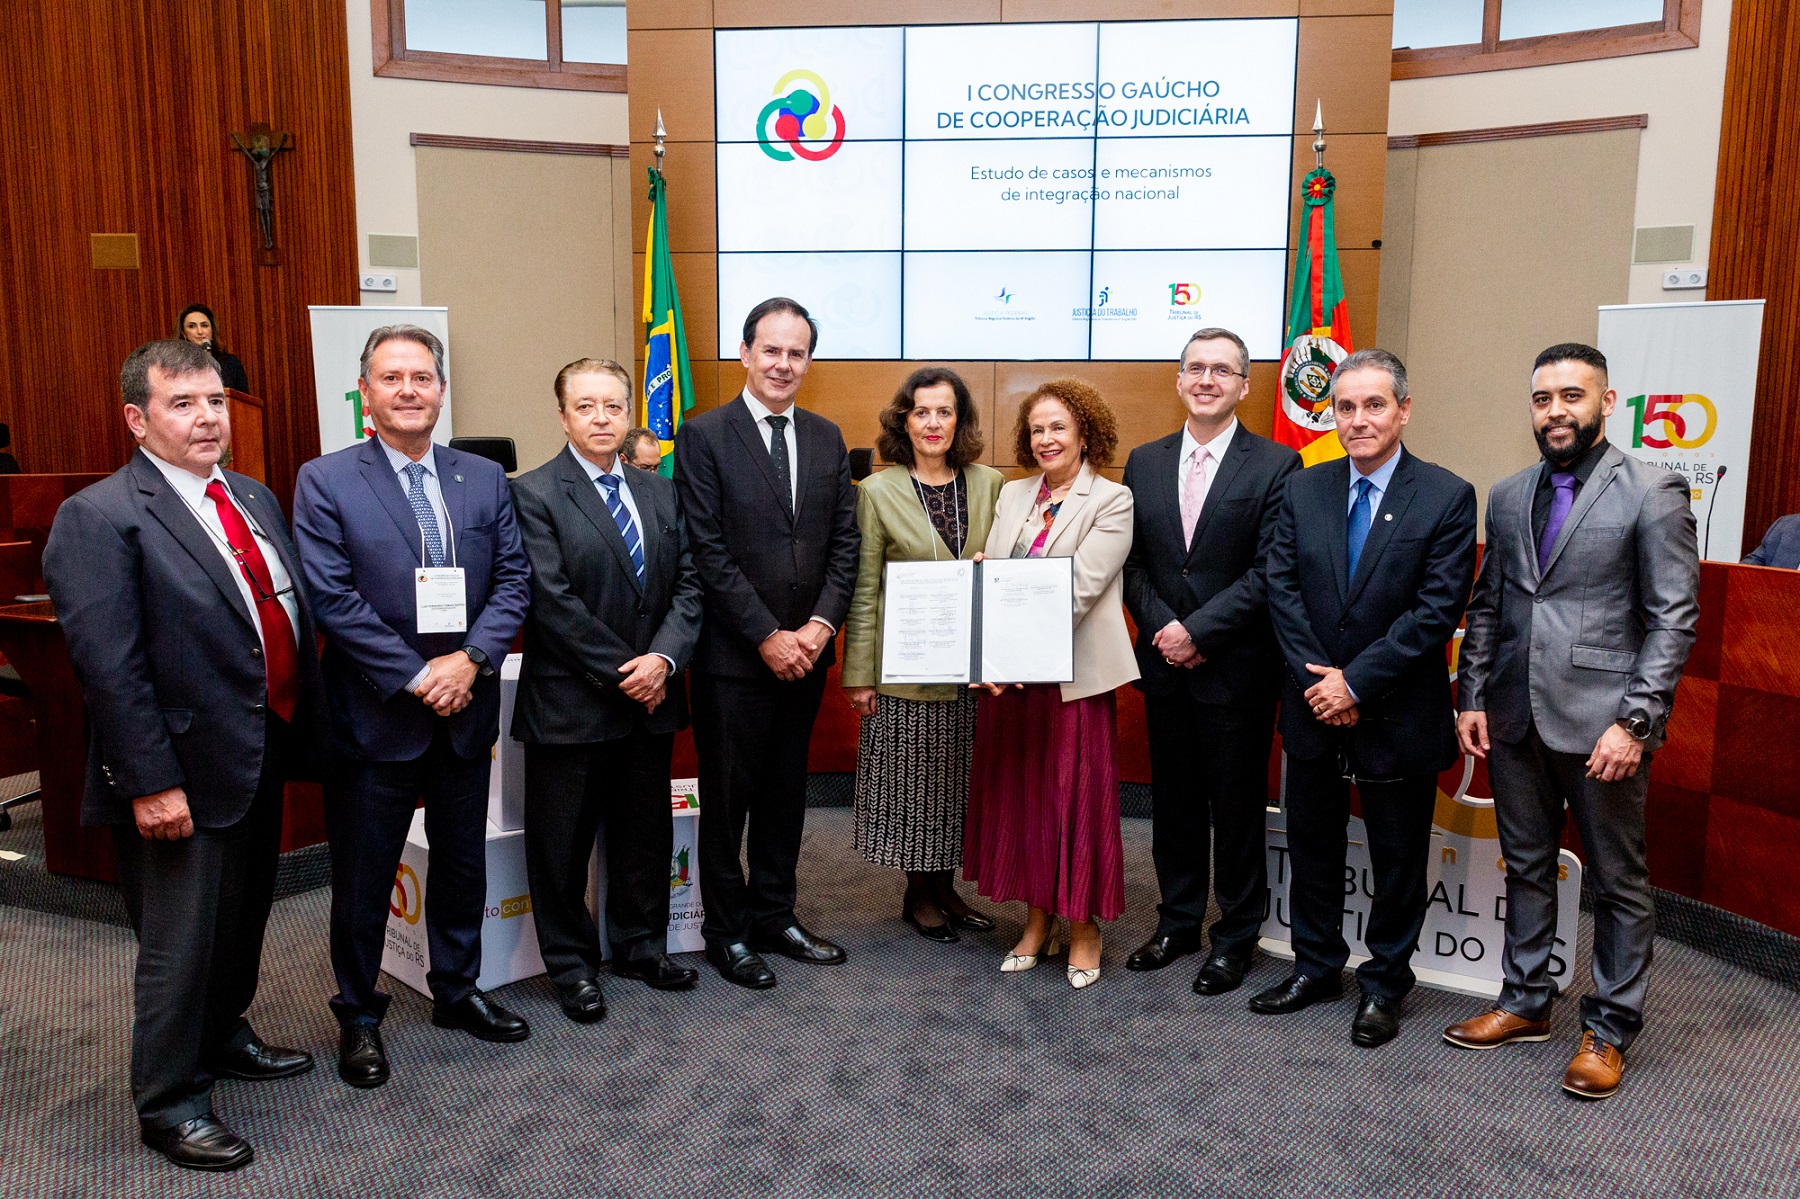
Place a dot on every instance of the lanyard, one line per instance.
(237, 555)
(957, 524)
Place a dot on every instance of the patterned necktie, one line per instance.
(1191, 491)
(615, 504)
(421, 506)
(281, 659)
(778, 454)
(1561, 500)
(1360, 516)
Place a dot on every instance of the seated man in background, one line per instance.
(641, 449)
(1780, 545)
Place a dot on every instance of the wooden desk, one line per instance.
(33, 642)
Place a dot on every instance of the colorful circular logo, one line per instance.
(409, 898)
(1306, 381)
(797, 118)
(1683, 428)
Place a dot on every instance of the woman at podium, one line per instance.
(196, 324)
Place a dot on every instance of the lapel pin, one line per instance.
(458, 478)
(1387, 516)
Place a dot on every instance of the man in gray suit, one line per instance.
(1581, 622)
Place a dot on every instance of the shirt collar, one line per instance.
(1216, 447)
(399, 462)
(190, 486)
(1381, 476)
(1583, 467)
(593, 472)
(759, 411)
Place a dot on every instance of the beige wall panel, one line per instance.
(690, 169)
(1499, 272)
(729, 14)
(628, 317)
(1361, 271)
(1354, 101)
(1143, 10)
(495, 230)
(697, 281)
(671, 69)
(1358, 161)
(1346, 8)
(1394, 313)
(668, 14)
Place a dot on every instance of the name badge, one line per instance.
(440, 598)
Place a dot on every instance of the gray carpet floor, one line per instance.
(915, 1069)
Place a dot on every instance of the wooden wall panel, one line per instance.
(114, 120)
(1756, 225)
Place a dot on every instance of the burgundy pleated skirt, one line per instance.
(1043, 820)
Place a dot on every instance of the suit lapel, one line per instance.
(174, 515)
(455, 492)
(751, 436)
(1337, 526)
(1584, 500)
(1527, 539)
(380, 476)
(1389, 517)
(584, 493)
(1072, 506)
(1225, 475)
(806, 455)
(650, 516)
(1162, 493)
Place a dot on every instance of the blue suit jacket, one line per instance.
(359, 545)
(1780, 545)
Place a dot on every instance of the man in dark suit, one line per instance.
(173, 582)
(1206, 498)
(413, 562)
(771, 520)
(1780, 546)
(615, 615)
(1578, 632)
(1368, 576)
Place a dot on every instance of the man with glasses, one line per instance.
(1205, 501)
(1368, 577)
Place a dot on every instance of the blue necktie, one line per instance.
(1360, 516)
(615, 503)
(427, 517)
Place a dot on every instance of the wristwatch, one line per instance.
(480, 659)
(1637, 726)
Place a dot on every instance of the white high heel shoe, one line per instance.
(1079, 978)
(1016, 962)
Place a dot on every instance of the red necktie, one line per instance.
(279, 653)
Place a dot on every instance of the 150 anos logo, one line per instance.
(1686, 421)
(799, 117)
(409, 898)
(1183, 295)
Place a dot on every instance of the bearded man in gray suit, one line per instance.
(1581, 622)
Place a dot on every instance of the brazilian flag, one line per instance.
(668, 384)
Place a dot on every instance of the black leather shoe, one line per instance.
(362, 1061)
(795, 942)
(583, 1002)
(1377, 1021)
(657, 971)
(737, 963)
(254, 1061)
(943, 934)
(1221, 974)
(971, 920)
(1158, 952)
(203, 1143)
(1295, 992)
(481, 1018)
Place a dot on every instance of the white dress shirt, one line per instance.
(433, 492)
(761, 413)
(192, 490)
(594, 474)
(1379, 480)
(1189, 447)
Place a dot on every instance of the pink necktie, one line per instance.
(1191, 493)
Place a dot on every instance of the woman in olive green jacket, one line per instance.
(912, 768)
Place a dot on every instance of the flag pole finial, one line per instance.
(1318, 129)
(661, 133)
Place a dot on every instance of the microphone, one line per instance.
(1706, 545)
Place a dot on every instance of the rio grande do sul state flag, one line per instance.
(1318, 331)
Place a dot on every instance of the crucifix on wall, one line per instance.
(260, 144)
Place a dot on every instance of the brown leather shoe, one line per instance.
(1495, 1028)
(1596, 1069)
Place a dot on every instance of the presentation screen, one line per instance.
(1011, 192)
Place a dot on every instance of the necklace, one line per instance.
(955, 498)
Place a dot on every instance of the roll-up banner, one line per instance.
(1686, 379)
(338, 335)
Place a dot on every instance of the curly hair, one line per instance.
(895, 443)
(1093, 421)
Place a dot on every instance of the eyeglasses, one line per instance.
(1201, 371)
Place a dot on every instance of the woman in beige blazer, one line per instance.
(912, 768)
(1043, 824)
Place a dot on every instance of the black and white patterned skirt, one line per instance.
(912, 782)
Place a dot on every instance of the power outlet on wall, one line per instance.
(375, 281)
(1683, 279)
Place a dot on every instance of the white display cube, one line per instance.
(506, 778)
(686, 913)
(509, 945)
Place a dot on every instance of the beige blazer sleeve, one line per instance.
(1094, 528)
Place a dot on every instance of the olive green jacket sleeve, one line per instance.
(896, 529)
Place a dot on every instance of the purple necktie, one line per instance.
(1561, 500)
